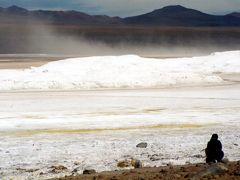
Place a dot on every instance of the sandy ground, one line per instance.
(191, 171)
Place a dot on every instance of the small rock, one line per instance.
(142, 145)
(189, 175)
(220, 168)
(137, 163)
(76, 163)
(154, 157)
(214, 169)
(124, 163)
(198, 156)
(89, 171)
(31, 170)
(41, 173)
(163, 171)
(58, 169)
(20, 169)
(75, 170)
(183, 169)
(197, 165)
(225, 161)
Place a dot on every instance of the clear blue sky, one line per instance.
(125, 8)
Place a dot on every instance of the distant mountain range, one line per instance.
(15, 14)
(167, 16)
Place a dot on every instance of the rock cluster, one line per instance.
(58, 169)
(130, 163)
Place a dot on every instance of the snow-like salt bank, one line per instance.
(127, 71)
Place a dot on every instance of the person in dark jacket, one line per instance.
(214, 150)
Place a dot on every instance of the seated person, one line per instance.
(214, 150)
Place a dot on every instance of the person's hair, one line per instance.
(214, 136)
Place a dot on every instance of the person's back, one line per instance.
(214, 150)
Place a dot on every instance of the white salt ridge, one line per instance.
(129, 71)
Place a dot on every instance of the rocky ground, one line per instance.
(226, 171)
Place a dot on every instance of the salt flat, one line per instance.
(73, 112)
(81, 129)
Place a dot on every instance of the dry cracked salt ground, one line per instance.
(95, 129)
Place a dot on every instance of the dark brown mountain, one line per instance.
(181, 16)
(235, 14)
(16, 14)
(167, 16)
(16, 10)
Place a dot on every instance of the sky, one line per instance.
(124, 8)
